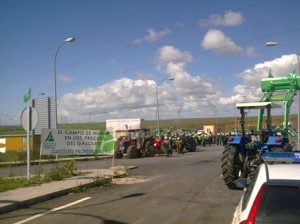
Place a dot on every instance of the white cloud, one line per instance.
(196, 95)
(251, 52)
(173, 62)
(144, 76)
(251, 78)
(191, 95)
(279, 67)
(152, 35)
(64, 78)
(217, 41)
(118, 95)
(250, 84)
(137, 98)
(170, 54)
(112, 61)
(229, 18)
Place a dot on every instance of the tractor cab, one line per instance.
(260, 135)
(261, 138)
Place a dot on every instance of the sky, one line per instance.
(125, 53)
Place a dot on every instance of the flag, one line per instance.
(27, 95)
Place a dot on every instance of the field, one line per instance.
(223, 124)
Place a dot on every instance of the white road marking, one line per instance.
(52, 210)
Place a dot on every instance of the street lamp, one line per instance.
(272, 43)
(41, 94)
(157, 109)
(68, 40)
(216, 116)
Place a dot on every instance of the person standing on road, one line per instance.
(179, 146)
(158, 143)
(169, 149)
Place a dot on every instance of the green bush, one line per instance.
(57, 173)
(60, 173)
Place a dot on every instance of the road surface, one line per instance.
(181, 189)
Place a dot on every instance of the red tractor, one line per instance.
(135, 143)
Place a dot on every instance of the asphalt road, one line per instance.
(181, 189)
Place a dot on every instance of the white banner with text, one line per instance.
(77, 142)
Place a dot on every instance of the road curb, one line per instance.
(11, 202)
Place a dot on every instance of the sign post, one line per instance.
(28, 142)
(29, 119)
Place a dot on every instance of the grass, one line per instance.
(98, 181)
(55, 174)
(223, 124)
(7, 184)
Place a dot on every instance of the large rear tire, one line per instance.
(150, 151)
(118, 154)
(191, 145)
(232, 166)
(133, 152)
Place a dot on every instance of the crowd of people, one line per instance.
(179, 141)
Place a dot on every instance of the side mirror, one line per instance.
(241, 183)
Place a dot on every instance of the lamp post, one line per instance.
(68, 40)
(216, 118)
(157, 107)
(272, 43)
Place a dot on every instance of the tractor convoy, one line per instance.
(137, 143)
(243, 153)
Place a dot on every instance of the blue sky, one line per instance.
(215, 51)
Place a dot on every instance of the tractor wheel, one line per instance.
(150, 151)
(133, 152)
(164, 148)
(118, 154)
(232, 166)
(191, 145)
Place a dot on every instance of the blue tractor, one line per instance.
(243, 153)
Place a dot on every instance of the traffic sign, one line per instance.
(33, 118)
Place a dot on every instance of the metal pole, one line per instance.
(235, 117)
(157, 107)
(216, 118)
(157, 113)
(55, 91)
(270, 44)
(69, 40)
(28, 141)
